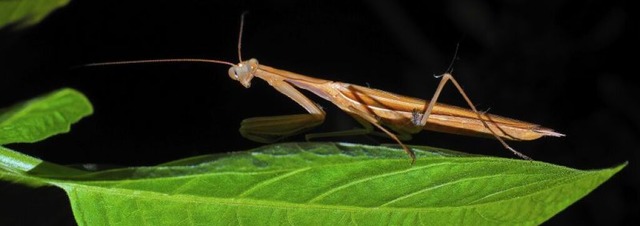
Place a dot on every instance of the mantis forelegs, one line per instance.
(273, 128)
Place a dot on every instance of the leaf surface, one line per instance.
(327, 184)
(27, 12)
(293, 183)
(41, 117)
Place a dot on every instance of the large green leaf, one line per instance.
(294, 183)
(42, 117)
(323, 184)
(27, 12)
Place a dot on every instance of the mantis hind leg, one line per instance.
(274, 128)
(421, 119)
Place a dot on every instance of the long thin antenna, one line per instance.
(240, 35)
(453, 60)
(156, 61)
(178, 60)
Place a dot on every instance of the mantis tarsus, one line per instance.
(370, 107)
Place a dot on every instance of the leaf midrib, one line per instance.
(71, 187)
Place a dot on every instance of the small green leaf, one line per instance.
(324, 184)
(27, 12)
(16, 161)
(42, 117)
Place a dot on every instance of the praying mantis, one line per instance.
(395, 115)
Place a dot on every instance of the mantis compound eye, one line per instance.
(243, 73)
(233, 74)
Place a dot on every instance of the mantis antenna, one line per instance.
(453, 60)
(177, 60)
(240, 35)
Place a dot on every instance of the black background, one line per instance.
(568, 65)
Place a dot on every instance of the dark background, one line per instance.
(567, 65)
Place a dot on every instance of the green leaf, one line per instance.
(42, 117)
(27, 12)
(295, 183)
(324, 184)
(35, 120)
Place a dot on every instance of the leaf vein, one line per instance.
(331, 191)
(271, 181)
(435, 187)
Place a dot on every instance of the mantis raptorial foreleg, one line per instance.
(273, 128)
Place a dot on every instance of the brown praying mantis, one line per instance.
(370, 107)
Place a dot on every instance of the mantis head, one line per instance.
(244, 72)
